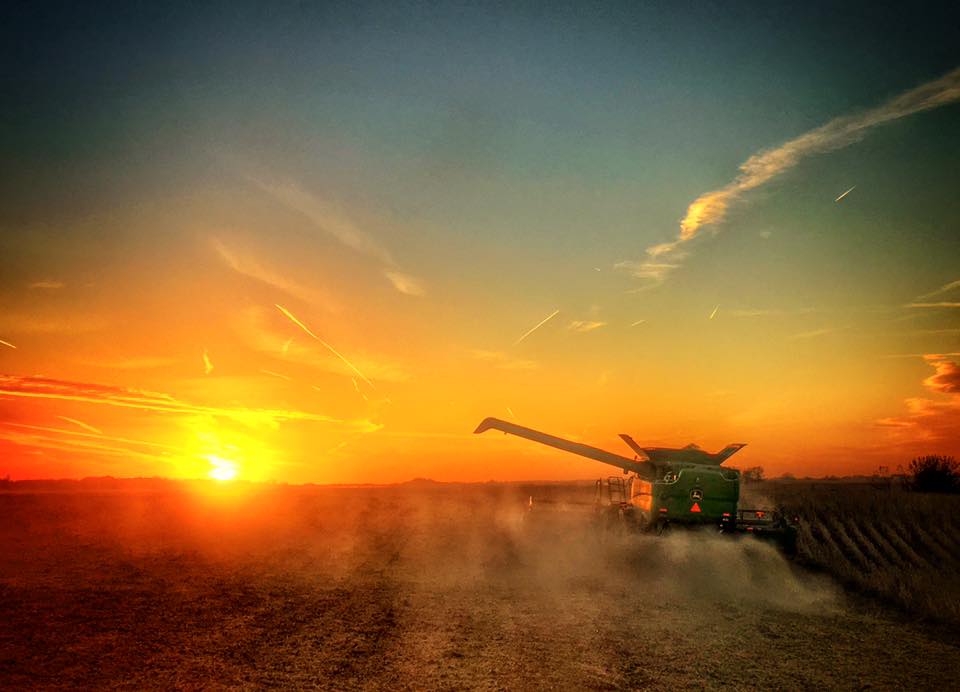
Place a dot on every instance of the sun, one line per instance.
(221, 469)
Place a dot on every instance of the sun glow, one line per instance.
(221, 469)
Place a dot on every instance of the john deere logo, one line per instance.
(696, 494)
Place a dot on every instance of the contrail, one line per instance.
(7, 343)
(638, 322)
(207, 365)
(357, 387)
(286, 346)
(714, 313)
(844, 194)
(328, 346)
(81, 424)
(512, 414)
(276, 374)
(543, 322)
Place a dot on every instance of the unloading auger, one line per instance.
(666, 486)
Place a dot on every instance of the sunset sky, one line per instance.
(309, 245)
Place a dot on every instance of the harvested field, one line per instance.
(428, 587)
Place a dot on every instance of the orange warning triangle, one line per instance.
(696, 507)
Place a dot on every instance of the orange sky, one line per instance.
(730, 248)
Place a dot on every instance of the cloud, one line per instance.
(332, 220)
(652, 271)
(946, 288)
(768, 312)
(36, 438)
(946, 379)
(134, 363)
(815, 333)
(207, 363)
(711, 207)
(250, 266)
(919, 355)
(504, 361)
(947, 304)
(32, 323)
(48, 285)
(583, 326)
(409, 285)
(15, 386)
(931, 421)
(327, 217)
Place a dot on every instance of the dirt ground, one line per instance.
(419, 587)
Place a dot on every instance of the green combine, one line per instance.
(667, 487)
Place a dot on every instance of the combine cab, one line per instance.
(667, 487)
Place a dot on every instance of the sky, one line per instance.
(305, 242)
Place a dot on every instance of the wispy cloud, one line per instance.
(583, 326)
(942, 304)
(710, 208)
(41, 438)
(336, 223)
(48, 284)
(132, 363)
(327, 217)
(813, 334)
(931, 421)
(946, 378)
(920, 355)
(651, 271)
(250, 266)
(767, 312)
(409, 285)
(504, 361)
(714, 313)
(15, 386)
(207, 363)
(946, 288)
(27, 322)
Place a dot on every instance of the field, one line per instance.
(445, 586)
(902, 547)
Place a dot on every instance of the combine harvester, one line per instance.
(668, 487)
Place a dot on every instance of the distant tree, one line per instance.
(787, 476)
(935, 473)
(752, 474)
